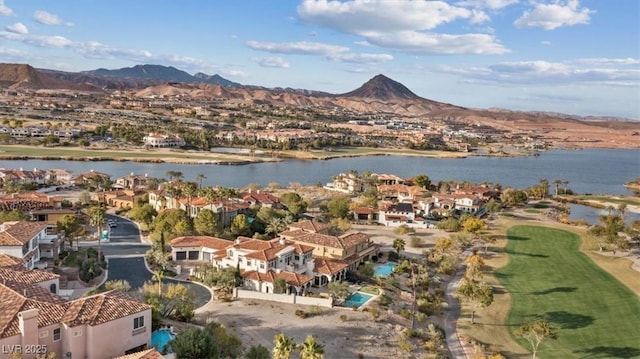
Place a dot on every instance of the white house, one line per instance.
(22, 240)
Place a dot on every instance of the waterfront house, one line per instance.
(90, 178)
(132, 181)
(352, 248)
(261, 263)
(33, 315)
(160, 140)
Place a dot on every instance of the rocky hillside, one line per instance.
(15, 76)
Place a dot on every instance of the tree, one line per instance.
(474, 264)
(474, 225)
(194, 343)
(173, 223)
(200, 177)
(228, 345)
(144, 213)
(280, 286)
(174, 174)
(311, 349)
(240, 226)
(557, 183)
(294, 203)
(367, 270)
(339, 290)
(535, 333)
(71, 225)
(399, 245)
(338, 207)
(257, 352)
(514, 197)
(422, 180)
(176, 301)
(449, 224)
(207, 223)
(13, 215)
(97, 218)
(283, 346)
(157, 277)
(477, 295)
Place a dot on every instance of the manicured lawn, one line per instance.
(548, 277)
(370, 289)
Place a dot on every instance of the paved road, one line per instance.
(451, 318)
(136, 273)
(125, 252)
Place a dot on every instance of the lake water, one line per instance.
(588, 171)
(591, 214)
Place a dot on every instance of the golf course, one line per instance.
(593, 314)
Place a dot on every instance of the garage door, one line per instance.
(181, 256)
(194, 255)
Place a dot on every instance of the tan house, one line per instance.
(351, 249)
(118, 198)
(261, 263)
(33, 314)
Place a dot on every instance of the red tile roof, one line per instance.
(328, 266)
(11, 262)
(201, 241)
(19, 233)
(145, 354)
(310, 226)
(102, 308)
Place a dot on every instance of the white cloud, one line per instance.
(278, 62)
(46, 18)
(13, 55)
(18, 28)
(37, 40)
(546, 42)
(488, 4)
(297, 48)
(606, 72)
(5, 10)
(361, 58)
(555, 15)
(403, 25)
(358, 16)
(96, 50)
(424, 43)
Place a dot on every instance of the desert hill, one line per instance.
(16, 76)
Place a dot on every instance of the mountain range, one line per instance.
(378, 95)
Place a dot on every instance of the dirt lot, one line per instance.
(258, 322)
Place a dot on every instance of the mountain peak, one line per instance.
(383, 88)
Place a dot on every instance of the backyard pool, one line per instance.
(357, 299)
(383, 270)
(160, 338)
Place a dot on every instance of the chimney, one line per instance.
(28, 321)
(131, 173)
(237, 241)
(282, 241)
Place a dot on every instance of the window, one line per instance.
(138, 322)
(56, 334)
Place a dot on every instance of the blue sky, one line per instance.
(571, 56)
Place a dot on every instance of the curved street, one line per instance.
(125, 254)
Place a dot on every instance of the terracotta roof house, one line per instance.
(352, 248)
(144, 354)
(260, 262)
(262, 199)
(22, 240)
(33, 314)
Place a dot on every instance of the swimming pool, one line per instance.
(383, 270)
(357, 299)
(160, 338)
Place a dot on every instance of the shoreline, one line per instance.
(214, 158)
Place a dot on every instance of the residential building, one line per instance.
(28, 201)
(22, 240)
(90, 178)
(132, 181)
(261, 263)
(33, 314)
(352, 248)
(159, 140)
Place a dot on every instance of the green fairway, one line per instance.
(548, 277)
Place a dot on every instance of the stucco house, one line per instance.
(33, 314)
(261, 263)
(22, 240)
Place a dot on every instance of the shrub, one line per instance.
(393, 256)
(405, 313)
(343, 317)
(89, 269)
(301, 313)
(416, 242)
(385, 300)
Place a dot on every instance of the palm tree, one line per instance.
(201, 177)
(399, 244)
(97, 218)
(174, 174)
(565, 184)
(158, 275)
(284, 345)
(311, 349)
(557, 183)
